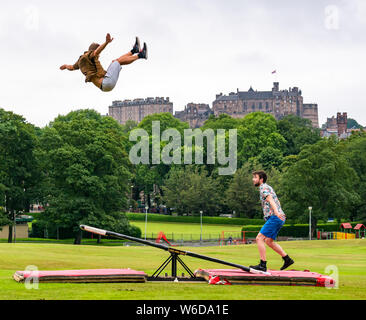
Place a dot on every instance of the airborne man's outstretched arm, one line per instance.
(68, 67)
(108, 39)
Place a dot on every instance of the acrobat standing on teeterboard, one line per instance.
(89, 64)
(275, 219)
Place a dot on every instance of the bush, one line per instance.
(134, 231)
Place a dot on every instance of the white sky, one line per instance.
(197, 49)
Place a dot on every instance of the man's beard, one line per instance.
(257, 184)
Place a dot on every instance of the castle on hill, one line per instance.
(279, 103)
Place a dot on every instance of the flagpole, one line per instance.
(274, 73)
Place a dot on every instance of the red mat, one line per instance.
(290, 277)
(86, 275)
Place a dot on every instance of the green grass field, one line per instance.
(187, 231)
(348, 255)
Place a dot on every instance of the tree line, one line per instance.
(78, 168)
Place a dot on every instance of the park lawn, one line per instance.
(349, 256)
(186, 230)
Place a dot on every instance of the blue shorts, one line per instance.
(271, 228)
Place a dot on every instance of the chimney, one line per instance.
(275, 86)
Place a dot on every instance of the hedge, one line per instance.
(185, 219)
(35, 215)
(193, 219)
(300, 230)
(39, 229)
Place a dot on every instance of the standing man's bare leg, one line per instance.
(262, 253)
(261, 246)
(275, 246)
(287, 261)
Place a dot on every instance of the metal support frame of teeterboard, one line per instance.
(173, 259)
(174, 253)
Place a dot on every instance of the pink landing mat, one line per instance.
(86, 275)
(289, 278)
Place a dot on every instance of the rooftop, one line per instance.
(141, 101)
(252, 94)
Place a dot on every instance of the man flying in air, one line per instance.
(89, 64)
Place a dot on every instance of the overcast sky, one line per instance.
(197, 49)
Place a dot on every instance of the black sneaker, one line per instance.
(143, 53)
(287, 262)
(261, 267)
(136, 48)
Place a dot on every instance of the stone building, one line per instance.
(330, 127)
(195, 114)
(337, 126)
(137, 109)
(341, 123)
(277, 102)
(21, 230)
(310, 111)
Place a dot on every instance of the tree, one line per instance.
(148, 175)
(270, 157)
(4, 220)
(241, 195)
(144, 180)
(189, 190)
(167, 120)
(223, 121)
(129, 125)
(320, 178)
(297, 132)
(354, 150)
(257, 131)
(86, 172)
(18, 165)
(352, 123)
